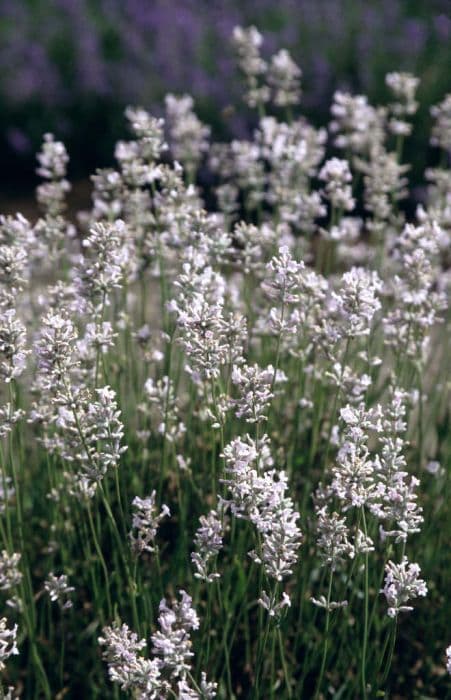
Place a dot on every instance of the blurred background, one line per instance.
(71, 66)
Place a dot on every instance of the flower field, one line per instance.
(225, 413)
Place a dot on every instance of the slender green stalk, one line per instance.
(284, 663)
(366, 615)
(101, 561)
(326, 636)
(392, 636)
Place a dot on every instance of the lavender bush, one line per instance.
(225, 429)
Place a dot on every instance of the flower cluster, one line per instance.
(402, 582)
(258, 494)
(58, 590)
(8, 642)
(146, 521)
(188, 136)
(167, 675)
(208, 544)
(255, 387)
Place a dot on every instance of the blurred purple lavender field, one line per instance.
(73, 65)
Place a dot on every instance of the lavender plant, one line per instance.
(239, 394)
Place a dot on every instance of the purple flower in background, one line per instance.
(69, 52)
(442, 26)
(18, 140)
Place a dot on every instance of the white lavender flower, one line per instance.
(282, 282)
(448, 659)
(296, 292)
(145, 524)
(337, 176)
(8, 642)
(55, 349)
(161, 396)
(395, 500)
(363, 544)
(13, 350)
(59, 590)
(149, 130)
(402, 583)
(333, 541)
(255, 386)
(253, 242)
(321, 602)
(417, 305)
(167, 675)
(353, 472)
(245, 459)
(227, 196)
(292, 152)
(351, 384)
(208, 688)
(10, 574)
(428, 235)
(99, 336)
(385, 184)
(107, 194)
(210, 337)
(208, 544)
(172, 643)
(348, 230)
(274, 606)
(357, 125)
(284, 79)
(92, 432)
(202, 337)
(135, 174)
(357, 301)
(16, 232)
(249, 171)
(15, 242)
(259, 495)
(125, 665)
(441, 131)
(7, 492)
(186, 692)
(281, 535)
(188, 136)
(247, 43)
(53, 161)
(8, 418)
(139, 165)
(101, 269)
(403, 87)
(105, 430)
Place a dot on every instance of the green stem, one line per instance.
(366, 613)
(326, 636)
(284, 663)
(101, 560)
(393, 632)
